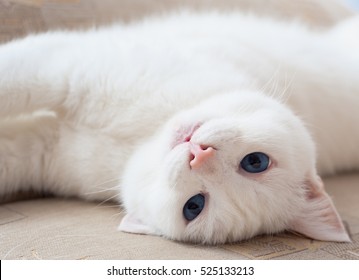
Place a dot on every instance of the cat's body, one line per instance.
(114, 102)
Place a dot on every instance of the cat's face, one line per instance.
(235, 166)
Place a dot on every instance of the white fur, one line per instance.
(94, 114)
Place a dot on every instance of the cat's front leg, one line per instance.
(55, 72)
(32, 76)
(26, 145)
(43, 154)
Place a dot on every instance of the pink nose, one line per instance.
(199, 154)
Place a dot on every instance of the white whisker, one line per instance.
(271, 81)
(286, 93)
(117, 214)
(102, 190)
(98, 186)
(108, 199)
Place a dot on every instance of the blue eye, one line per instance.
(193, 207)
(255, 162)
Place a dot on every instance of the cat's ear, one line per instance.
(131, 224)
(319, 219)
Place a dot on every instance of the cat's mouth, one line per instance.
(184, 134)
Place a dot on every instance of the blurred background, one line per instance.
(20, 17)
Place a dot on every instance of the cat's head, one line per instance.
(234, 166)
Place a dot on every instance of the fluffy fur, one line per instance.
(112, 112)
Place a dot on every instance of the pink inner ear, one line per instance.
(133, 225)
(319, 219)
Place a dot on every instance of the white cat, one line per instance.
(183, 117)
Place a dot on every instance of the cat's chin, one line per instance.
(184, 134)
